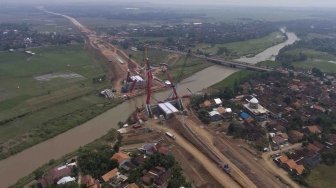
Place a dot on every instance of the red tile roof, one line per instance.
(314, 129)
(106, 177)
(120, 157)
(283, 159)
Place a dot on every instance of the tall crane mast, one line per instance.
(149, 81)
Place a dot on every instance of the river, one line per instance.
(23, 163)
(272, 52)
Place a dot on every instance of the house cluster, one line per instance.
(193, 33)
(309, 155)
(290, 165)
(215, 109)
(292, 109)
(157, 176)
(59, 175)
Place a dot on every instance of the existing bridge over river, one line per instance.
(228, 63)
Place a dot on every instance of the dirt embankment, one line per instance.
(212, 168)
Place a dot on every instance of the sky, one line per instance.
(283, 3)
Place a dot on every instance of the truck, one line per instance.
(170, 135)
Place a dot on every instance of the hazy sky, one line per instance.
(304, 3)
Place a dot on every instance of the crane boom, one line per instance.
(184, 64)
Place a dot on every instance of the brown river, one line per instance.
(23, 163)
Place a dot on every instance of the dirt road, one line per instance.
(262, 175)
(208, 140)
(210, 166)
(267, 160)
(118, 59)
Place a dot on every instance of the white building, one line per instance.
(168, 109)
(255, 109)
(218, 101)
(65, 180)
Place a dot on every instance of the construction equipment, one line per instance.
(184, 65)
(164, 69)
(149, 76)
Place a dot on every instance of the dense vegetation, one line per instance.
(95, 158)
(306, 27)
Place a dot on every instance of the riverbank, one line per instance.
(272, 52)
(23, 163)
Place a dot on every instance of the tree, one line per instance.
(204, 116)
(177, 179)
(134, 175)
(287, 100)
(38, 174)
(329, 157)
(317, 72)
(96, 163)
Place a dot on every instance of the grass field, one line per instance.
(233, 78)
(322, 176)
(175, 62)
(322, 60)
(270, 64)
(32, 111)
(245, 48)
(17, 71)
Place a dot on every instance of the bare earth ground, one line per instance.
(261, 170)
(212, 168)
(193, 170)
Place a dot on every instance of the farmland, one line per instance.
(33, 109)
(174, 61)
(234, 79)
(245, 48)
(323, 176)
(322, 60)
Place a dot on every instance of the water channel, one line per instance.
(272, 52)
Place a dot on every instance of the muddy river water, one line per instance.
(272, 52)
(21, 164)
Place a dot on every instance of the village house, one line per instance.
(151, 148)
(109, 175)
(256, 110)
(278, 141)
(56, 174)
(132, 185)
(215, 116)
(306, 157)
(246, 117)
(331, 140)
(218, 102)
(313, 129)
(295, 136)
(90, 182)
(120, 157)
(157, 175)
(290, 165)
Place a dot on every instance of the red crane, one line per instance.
(164, 68)
(149, 82)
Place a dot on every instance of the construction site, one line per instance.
(201, 150)
(208, 157)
